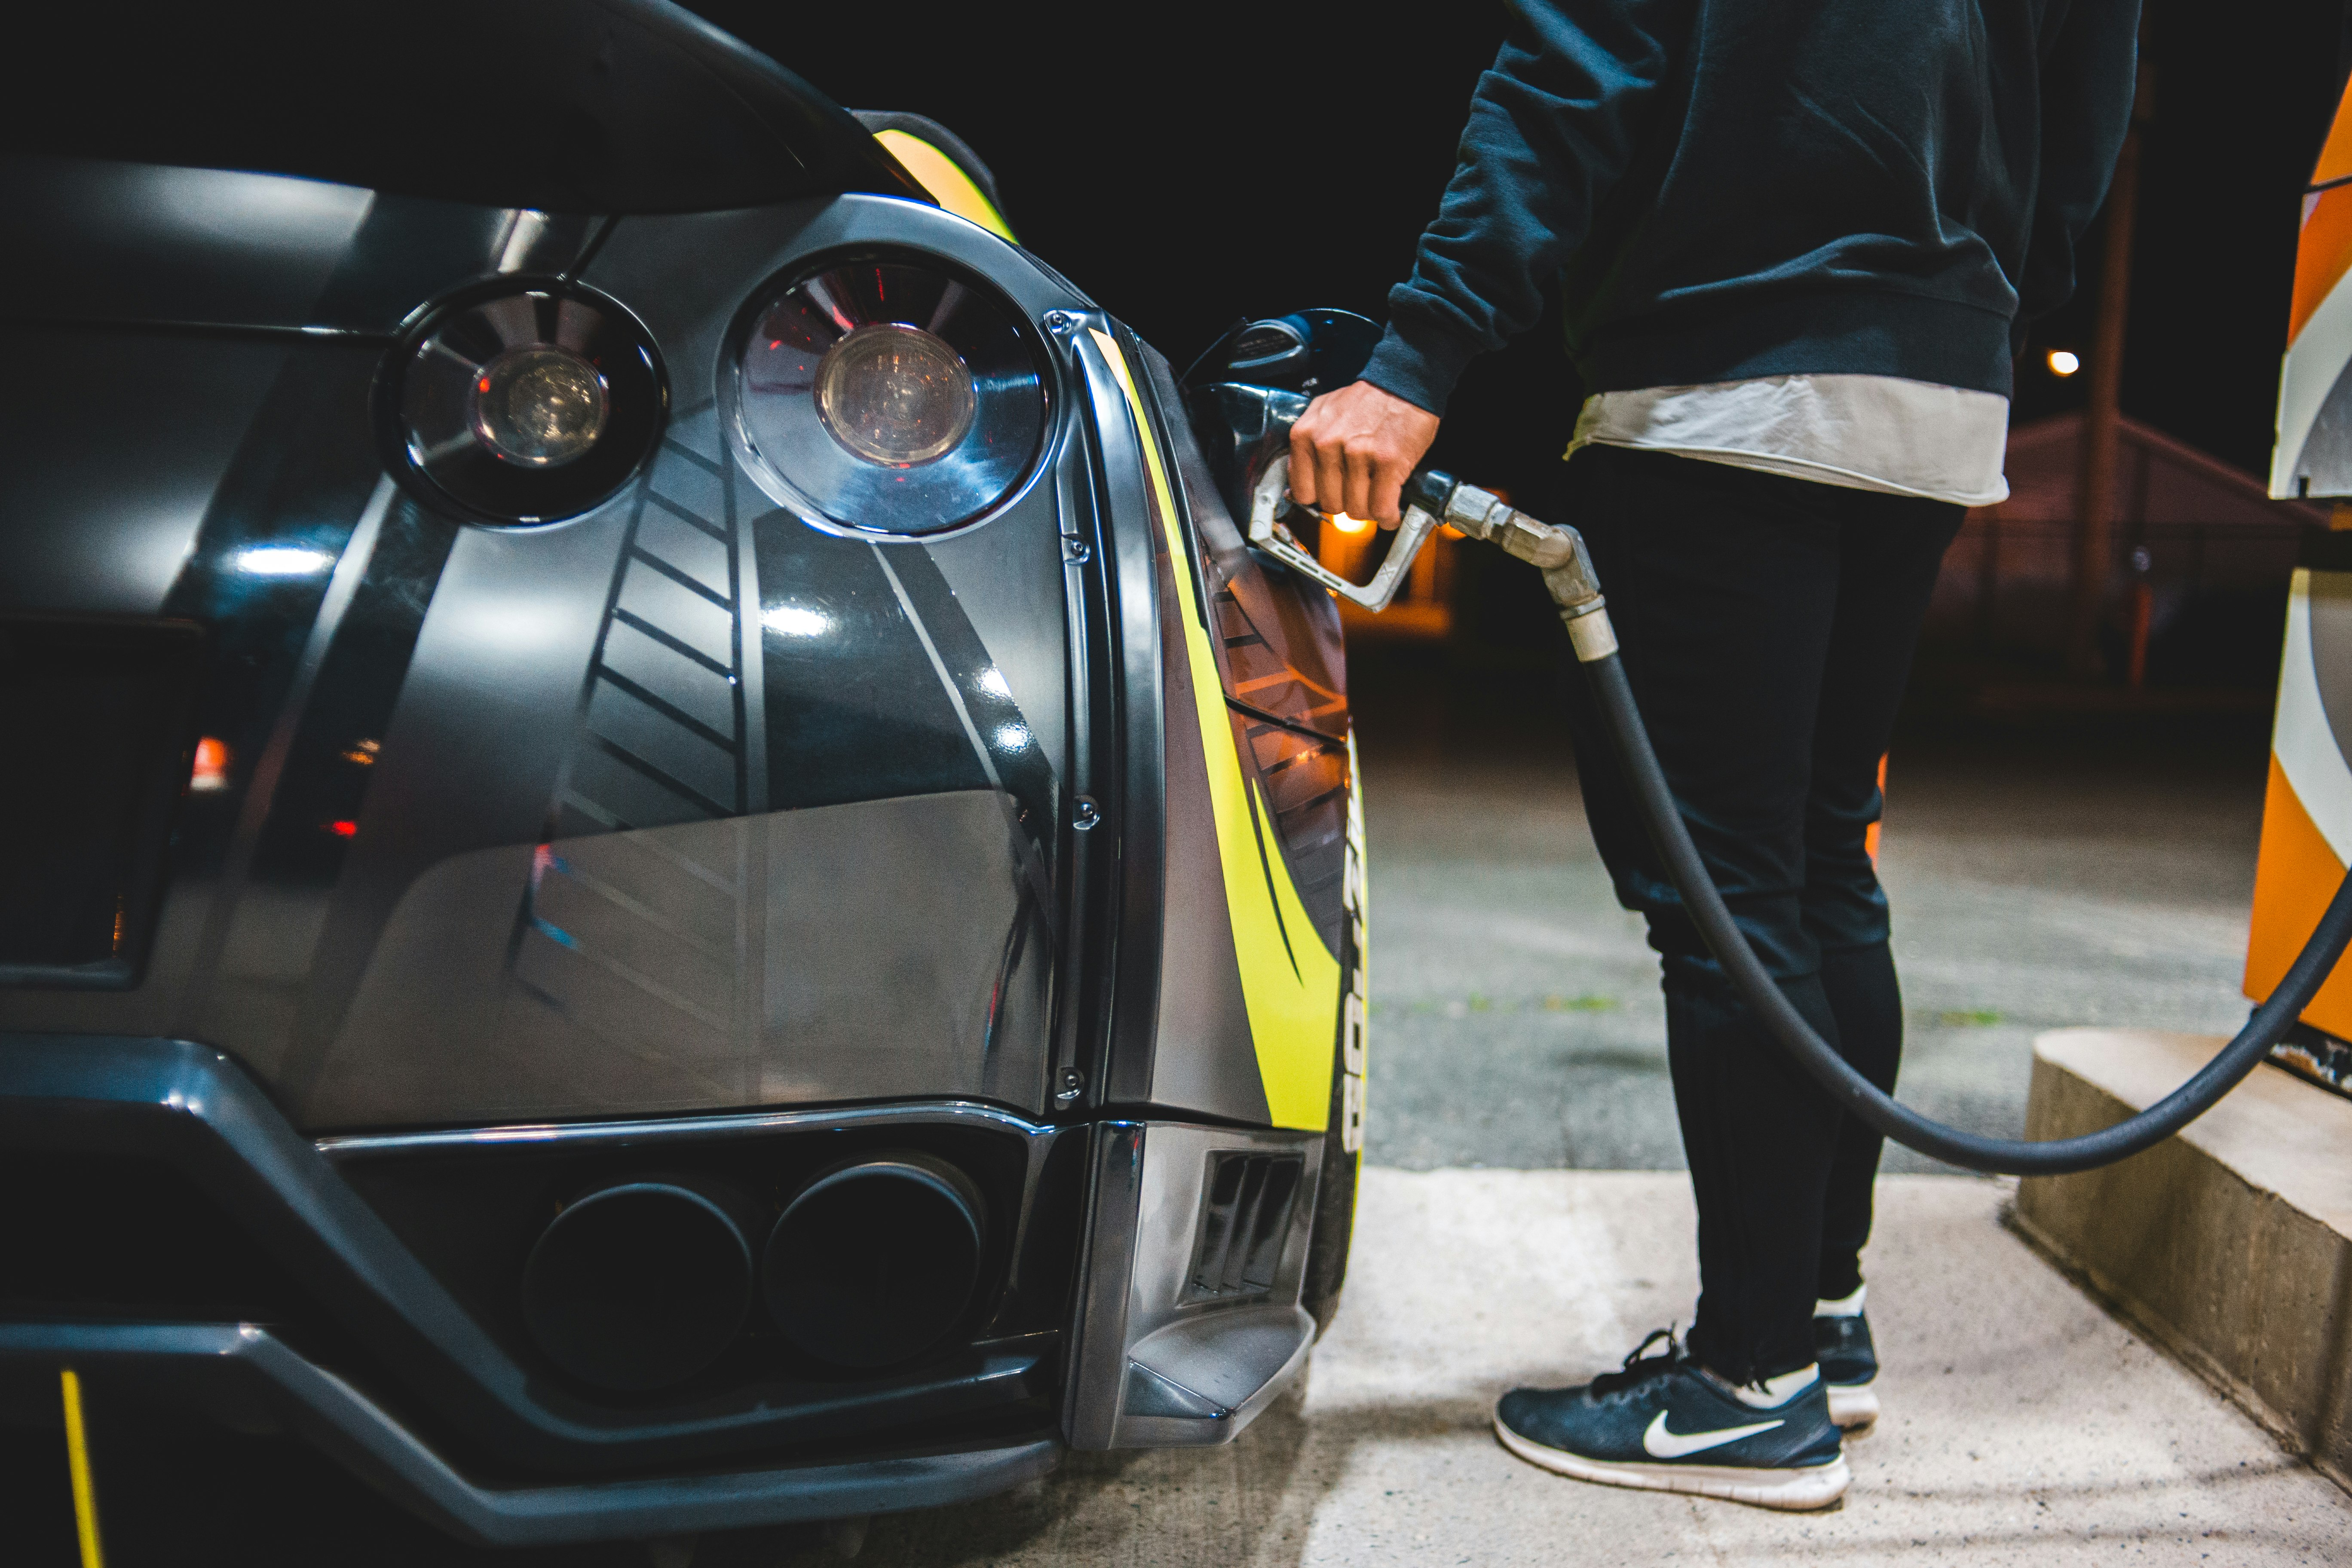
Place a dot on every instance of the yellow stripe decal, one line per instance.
(948, 184)
(1290, 983)
(85, 1492)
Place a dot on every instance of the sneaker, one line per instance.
(1849, 1364)
(1663, 1425)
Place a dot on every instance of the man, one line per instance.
(1798, 243)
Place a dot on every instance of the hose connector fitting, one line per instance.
(1557, 551)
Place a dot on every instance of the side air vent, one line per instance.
(1244, 1218)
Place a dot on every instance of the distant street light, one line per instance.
(2064, 362)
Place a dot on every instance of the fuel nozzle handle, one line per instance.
(1432, 499)
(1554, 549)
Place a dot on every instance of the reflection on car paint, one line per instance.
(700, 828)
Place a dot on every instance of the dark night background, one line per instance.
(1193, 166)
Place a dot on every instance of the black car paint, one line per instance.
(274, 919)
(453, 749)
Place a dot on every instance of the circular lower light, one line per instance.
(894, 393)
(885, 395)
(523, 401)
(540, 406)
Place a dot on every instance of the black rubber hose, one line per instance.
(1857, 1094)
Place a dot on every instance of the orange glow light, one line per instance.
(211, 772)
(1346, 524)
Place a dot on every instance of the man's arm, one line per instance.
(2089, 70)
(1552, 126)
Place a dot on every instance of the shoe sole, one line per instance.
(1793, 1491)
(1853, 1407)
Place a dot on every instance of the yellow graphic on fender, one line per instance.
(948, 185)
(1358, 1005)
(1291, 989)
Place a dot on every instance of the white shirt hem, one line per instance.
(1792, 467)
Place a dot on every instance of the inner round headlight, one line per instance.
(540, 406)
(523, 401)
(885, 395)
(894, 393)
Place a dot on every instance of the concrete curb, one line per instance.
(2107, 1294)
(2229, 1245)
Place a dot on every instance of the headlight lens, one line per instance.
(894, 393)
(525, 403)
(540, 406)
(887, 396)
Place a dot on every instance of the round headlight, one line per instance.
(524, 403)
(885, 397)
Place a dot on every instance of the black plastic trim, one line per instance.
(1130, 573)
(196, 1109)
(239, 1363)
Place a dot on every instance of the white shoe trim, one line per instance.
(1852, 1405)
(1794, 1491)
(1846, 1307)
(1775, 1392)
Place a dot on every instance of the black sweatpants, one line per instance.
(1767, 626)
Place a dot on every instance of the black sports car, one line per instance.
(663, 863)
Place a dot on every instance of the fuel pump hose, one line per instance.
(1569, 574)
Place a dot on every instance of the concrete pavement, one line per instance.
(2022, 1424)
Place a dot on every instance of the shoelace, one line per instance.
(1639, 1366)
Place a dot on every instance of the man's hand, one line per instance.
(1353, 449)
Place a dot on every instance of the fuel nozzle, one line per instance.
(1553, 549)
(1433, 499)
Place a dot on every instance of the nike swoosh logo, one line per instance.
(1661, 1443)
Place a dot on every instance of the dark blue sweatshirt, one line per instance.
(1736, 188)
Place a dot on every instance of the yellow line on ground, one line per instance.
(84, 1493)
